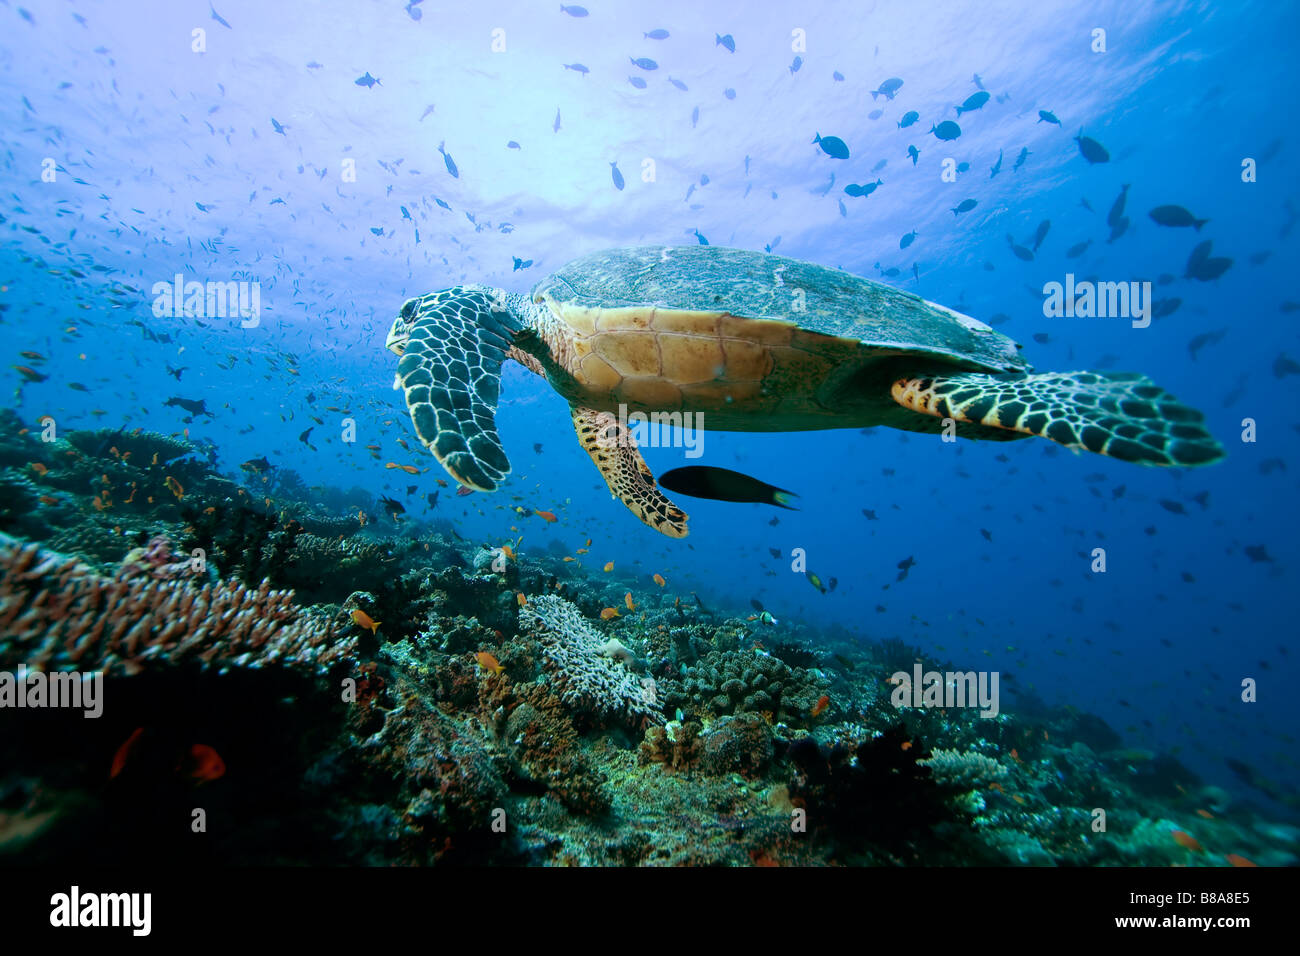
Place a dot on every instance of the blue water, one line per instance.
(143, 131)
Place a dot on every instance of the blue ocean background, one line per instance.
(168, 163)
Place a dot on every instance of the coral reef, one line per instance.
(589, 673)
(58, 613)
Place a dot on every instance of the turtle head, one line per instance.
(491, 308)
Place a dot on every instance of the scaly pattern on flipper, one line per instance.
(450, 370)
(614, 452)
(1121, 414)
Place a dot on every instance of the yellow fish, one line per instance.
(488, 662)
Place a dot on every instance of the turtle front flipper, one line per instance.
(1124, 414)
(452, 344)
(614, 452)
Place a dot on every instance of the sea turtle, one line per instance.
(749, 342)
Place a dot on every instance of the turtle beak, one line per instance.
(396, 341)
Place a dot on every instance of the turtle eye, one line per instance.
(408, 309)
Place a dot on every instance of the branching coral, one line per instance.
(577, 660)
(964, 770)
(58, 613)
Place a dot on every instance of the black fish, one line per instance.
(722, 484)
(194, 408)
(256, 465)
(392, 508)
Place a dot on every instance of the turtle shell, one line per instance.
(740, 334)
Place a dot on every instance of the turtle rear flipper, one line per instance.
(614, 452)
(1124, 415)
(452, 344)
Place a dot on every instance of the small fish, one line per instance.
(887, 88)
(1238, 860)
(367, 81)
(725, 40)
(659, 579)
(547, 516)
(823, 702)
(448, 161)
(966, 205)
(489, 662)
(679, 84)
(914, 153)
(521, 599)
(795, 64)
(656, 35)
(555, 127)
(609, 566)
(907, 240)
(216, 16)
(577, 68)
(464, 491)
(30, 375)
(997, 167)
(123, 753)
(1047, 116)
(1078, 249)
(910, 117)
(1020, 160)
(513, 145)
(609, 613)
(174, 487)
(973, 102)
(616, 175)
(1091, 150)
(256, 465)
(202, 763)
(628, 602)
(277, 127)
(644, 63)
(637, 82)
(1187, 841)
(1041, 233)
(837, 76)
(1175, 216)
(722, 484)
(947, 130)
(815, 581)
(361, 619)
(573, 10)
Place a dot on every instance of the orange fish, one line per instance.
(581, 551)
(589, 542)
(609, 566)
(546, 516)
(40, 469)
(1187, 841)
(361, 619)
(567, 558)
(174, 487)
(462, 491)
(124, 752)
(410, 469)
(391, 465)
(488, 662)
(659, 580)
(627, 600)
(1238, 860)
(202, 763)
(907, 745)
(49, 500)
(99, 504)
(823, 702)
(609, 613)
(1205, 814)
(441, 483)
(521, 599)
(508, 551)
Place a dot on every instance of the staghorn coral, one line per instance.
(584, 676)
(56, 612)
(964, 770)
